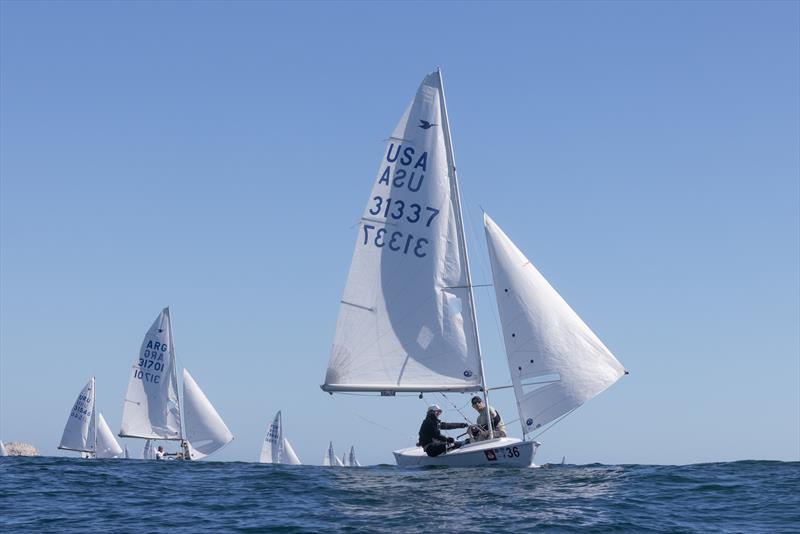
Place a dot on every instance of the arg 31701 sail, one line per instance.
(152, 408)
(407, 316)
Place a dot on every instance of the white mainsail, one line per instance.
(205, 430)
(149, 451)
(330, 459)
(276, 448)
(3, 451)
(406, 319)
(107, 445)
(557, 363)
(79, 432)
(151, 409)
(351, 460)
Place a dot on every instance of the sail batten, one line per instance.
(556, 362)
(397, 330)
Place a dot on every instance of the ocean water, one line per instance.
(72, 495)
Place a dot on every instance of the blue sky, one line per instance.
(215, 157)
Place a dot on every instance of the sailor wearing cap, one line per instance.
(431, 438)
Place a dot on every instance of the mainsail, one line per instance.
(151, 409)
(557, 363)
(79, 432)
(406, 320)
(276, 448)
(107, 445)
(205, 430)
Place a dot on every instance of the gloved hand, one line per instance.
(450, 440)
(464, 425)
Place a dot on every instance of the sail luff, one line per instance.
(178, 389)
(460, 231)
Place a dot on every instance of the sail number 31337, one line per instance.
(395, 241)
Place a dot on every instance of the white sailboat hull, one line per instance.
(498, 452)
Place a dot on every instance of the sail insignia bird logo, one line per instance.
(425, 124)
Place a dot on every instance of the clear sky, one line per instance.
(215, 157)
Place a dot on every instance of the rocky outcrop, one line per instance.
(18, 448)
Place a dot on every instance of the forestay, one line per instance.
(205, 430)
(557, 363)
(151, 409)
(405, 319)
(107, 445)
(79, 432)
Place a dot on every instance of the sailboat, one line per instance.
(407, 318)
(149, 450)
(330, 459)
(86, 430)
(351, 458)
(153, 409)
(3, 451)
(127, 455)
(276, 448)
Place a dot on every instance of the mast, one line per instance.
(94, 413)
(175, 376)
(463, 242)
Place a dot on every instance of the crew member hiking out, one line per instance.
(431, 439)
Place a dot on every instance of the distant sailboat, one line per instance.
(407, 318)
(127, 454)
(276, 449)
(152, 408)
(351, 458)
(3, 451)
(80, 433)
(149, 450)
(330, 459)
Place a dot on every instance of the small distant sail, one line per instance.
(107, 445)
(351, 460)
(330, 459)
(127, 454)
(79, 432)
(149, 451)
(405, 319)
(3, 451)
(557, 363)
(276, 448)
(343, 461)
(205, 430)
(151, 408)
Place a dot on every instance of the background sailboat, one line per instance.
(80, 433)
(330, 459)
(276, 449)
(152, 408)
(351, 458)
(3, 451)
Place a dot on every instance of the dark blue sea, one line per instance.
(72, 495)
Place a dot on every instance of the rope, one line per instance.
(456, 408)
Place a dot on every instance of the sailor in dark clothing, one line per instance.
(430, 436)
